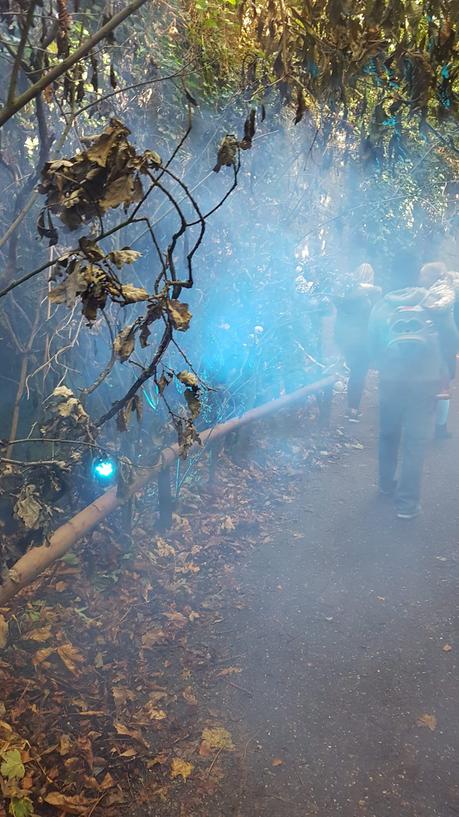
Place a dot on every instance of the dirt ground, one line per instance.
(350, 649)
(288, 649)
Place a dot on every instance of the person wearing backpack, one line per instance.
(353, 308)
(411, 336)
(444, 287)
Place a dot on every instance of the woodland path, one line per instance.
(354, 706)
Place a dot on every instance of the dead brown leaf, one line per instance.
(124, 343)
(129, 753)
(121, 695)
(216, 738)
(71, 657)
(65, 745)
(189, 696)
(447, 648)
(158, 760)
(154, 713)
(228, 671)
(177, 618)
(430, 721)
(124, 256)
(40, 635)
(41, 656)
(179, 314)
(153, 637)
(76, 804)
(135, 734)
(163, 548)
(181, 768)
(3, 632)
(107, 782)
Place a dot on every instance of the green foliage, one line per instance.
(384, 68)
(21, 807)
(12, 766)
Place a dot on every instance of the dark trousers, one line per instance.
(406, 420)
(358, 364)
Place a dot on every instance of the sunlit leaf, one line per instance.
(124, 256)
(132, 294)
(181, 768)
(188, 378)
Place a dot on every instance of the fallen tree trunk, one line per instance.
(37, 559)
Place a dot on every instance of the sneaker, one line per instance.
(354, 416)
(408, 514)
(442, 433)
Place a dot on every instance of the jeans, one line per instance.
(442, 413)
(358, 364)
(406, 424)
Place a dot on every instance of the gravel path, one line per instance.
(350, 645)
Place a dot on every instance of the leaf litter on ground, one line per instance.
(105, 678)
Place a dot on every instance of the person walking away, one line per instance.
(411, 335)
(434, 276)
(353, 308)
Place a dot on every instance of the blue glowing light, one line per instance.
(104, 469)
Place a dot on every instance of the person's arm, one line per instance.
(449, 335)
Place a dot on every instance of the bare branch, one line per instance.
(19, 53)
(129, 88)
(61, 68)
(150, 371)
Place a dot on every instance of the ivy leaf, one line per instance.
(12, 766)
(21, 807)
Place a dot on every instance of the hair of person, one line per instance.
(432, 272)
(365, 274)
